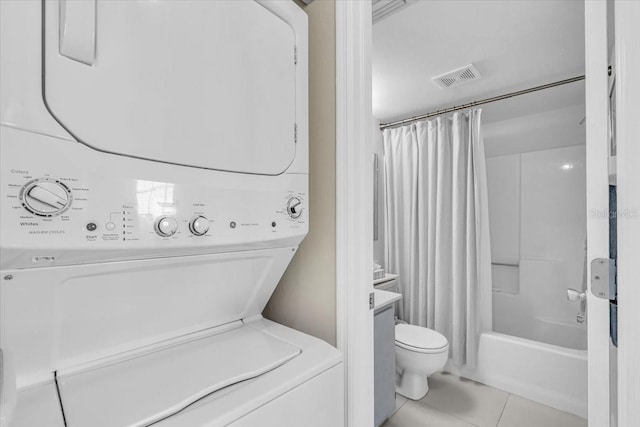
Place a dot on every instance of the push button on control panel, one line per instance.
(166, 226)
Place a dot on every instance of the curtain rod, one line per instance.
(384, 126)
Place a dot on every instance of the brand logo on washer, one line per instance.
(43, 259)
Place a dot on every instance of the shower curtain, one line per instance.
(437, 228)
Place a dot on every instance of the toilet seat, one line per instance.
(420, 339)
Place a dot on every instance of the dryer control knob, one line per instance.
(199, 225)
(45, 197)
(294, 207)
(166, 226)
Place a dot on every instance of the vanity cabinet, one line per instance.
(384, 364)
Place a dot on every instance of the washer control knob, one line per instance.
(166, 226)
(294, 207)
(45, 197)
(199, 225)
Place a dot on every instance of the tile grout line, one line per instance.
(400, 407)
(503, 408)
(419, 402)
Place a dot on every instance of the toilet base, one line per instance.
(412, 386)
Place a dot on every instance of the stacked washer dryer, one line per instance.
(154, 190)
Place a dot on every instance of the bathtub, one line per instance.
(546, 373)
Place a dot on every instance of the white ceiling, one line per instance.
(515, 44)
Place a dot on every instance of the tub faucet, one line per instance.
(573, 295)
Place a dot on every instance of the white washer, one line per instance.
(154, 188)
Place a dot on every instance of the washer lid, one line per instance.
(141, 390)
(210, 84)
(419, 337)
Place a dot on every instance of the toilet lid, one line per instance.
(420, 337)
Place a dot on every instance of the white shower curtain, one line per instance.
(437, 227)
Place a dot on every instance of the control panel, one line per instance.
(128, 208)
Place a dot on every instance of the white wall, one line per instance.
(532, 132)
(305, 298)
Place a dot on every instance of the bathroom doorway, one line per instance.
(354, 161)
(531, 55)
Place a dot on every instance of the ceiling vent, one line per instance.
(457, 77)
(381, 9)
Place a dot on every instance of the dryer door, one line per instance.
(209, 84)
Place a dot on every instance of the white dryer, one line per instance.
(154, 189)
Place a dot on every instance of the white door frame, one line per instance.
(597, 99)
(354, 201)
(627, 38)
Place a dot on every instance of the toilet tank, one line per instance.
(388, 285)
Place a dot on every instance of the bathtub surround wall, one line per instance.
(437, 227)
(537, 208)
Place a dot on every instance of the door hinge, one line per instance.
(295, 55)
(372, 300)
(295, 133)
(603, 278)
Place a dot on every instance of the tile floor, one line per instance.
(458, 402)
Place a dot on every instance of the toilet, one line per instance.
(420, 352)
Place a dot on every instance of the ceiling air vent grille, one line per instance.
(457, 77)
(381, 9)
